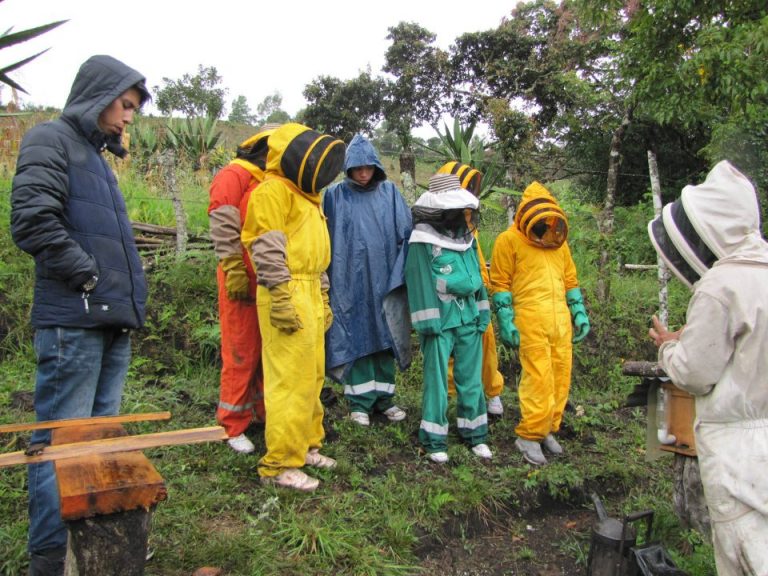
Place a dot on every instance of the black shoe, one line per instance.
(48, 562)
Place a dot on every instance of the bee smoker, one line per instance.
(611, 541)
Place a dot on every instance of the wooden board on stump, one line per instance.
(106, 502)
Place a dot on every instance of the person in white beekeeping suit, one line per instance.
(710, 239)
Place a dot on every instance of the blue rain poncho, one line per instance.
(369, 229)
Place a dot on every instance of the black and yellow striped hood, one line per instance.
(538, 205)
(305, 157)
(470, 178)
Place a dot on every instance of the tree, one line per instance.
(344, 107)
(414, 95)
(270, 110)
(241, 112)
(198, 95)
(9, 38)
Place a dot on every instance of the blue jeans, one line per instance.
(80, 373)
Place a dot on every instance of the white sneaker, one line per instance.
(482, 451)
(395, 414)
(494, 406)
(241, 444)
(551, 444)
(360, 418)
(439, 457)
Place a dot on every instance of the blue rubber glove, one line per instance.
(578, 314)
(505, 314)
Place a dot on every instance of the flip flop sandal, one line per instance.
(317, 460)
(292, 478)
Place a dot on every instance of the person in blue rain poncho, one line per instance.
(369, 224)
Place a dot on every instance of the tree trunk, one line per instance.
(605, 222)
(688, 498)
(168, 163)
(408, 163)
(662, 272)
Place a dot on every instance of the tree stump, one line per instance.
(106, 502)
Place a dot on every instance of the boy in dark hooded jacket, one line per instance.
(369, 224)
(90, 290)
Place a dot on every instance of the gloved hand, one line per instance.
(505, 314)
(236, 281)
(578, 314)
(327, 310)
(282, 313)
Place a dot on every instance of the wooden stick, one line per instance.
(119, 444)
(50, 424)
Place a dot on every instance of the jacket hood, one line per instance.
(306, 158)
(717, 219)
(99, 81)
(361, 152)
(539, 212)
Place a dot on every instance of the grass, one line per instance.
(385, 509)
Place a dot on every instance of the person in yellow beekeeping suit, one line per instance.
(287, 238)
(493, 381)
(540, 309)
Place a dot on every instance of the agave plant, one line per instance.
(459, 146)
(10, 38)
(193, 137)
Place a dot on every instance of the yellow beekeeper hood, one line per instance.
(539, 213)
(252, 152)
(308, 159)
(469, 178)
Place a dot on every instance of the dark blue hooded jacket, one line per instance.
(68, 213)
(369, 229)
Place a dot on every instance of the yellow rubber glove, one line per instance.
(236, 282)
(327, 310)
(282, 313)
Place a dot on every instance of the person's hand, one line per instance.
(505, 314)
(580, 326)
(236, 281)
(282, 312)
(659, 333)
(327, 312)
(508, 332)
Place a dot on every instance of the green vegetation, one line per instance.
(385, 509)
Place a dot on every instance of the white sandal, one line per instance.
(292, 478)
(317, 460)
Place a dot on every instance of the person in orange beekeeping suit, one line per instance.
(287, 238)
(493, 381)
(241, 393)
(539, 308)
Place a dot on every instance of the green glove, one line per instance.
(505, 314)
(282, 313)
(236, 281)
(578, 314)
(327, 310)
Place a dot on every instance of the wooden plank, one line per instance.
(52, 424)
(100, 484)
(124, 444)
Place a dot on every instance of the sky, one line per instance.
(258, 48)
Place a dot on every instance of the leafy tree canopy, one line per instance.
(198, 95)
(241, 112)
(344, 107)
(420, 75)
(270, 110)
